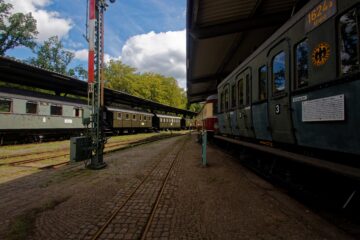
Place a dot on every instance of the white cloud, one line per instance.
(108, 57)
(163, 53)
(73, 44)
(82, 54)
(49, 23)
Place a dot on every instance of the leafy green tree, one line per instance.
(51, 55)
(195, 107)
(151, 86)
(16, 29)
(120, 76)
(78, 72)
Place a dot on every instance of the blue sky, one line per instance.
(147, 34)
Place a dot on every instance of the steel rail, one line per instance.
(160, 193)
(102, 229)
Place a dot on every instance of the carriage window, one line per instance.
(78, 112)
(233, 96)
(215, 106)
(302, 63)
(127, 116)
(140, 118)
(349, 42)
(31, 108)
(119, 116)
(278, 71)
(241, 91)
(247, 93)
(226, 99)
(262, 83)
(55, 110)
(134, 117)
(5, 105)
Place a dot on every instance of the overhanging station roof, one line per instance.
(13, 71)
(222, 33)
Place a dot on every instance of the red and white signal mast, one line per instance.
(96, 9)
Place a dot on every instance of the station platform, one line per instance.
(158, 190)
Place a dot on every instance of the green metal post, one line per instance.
(204, 143)
(98, 138)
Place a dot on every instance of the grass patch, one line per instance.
(23, 226)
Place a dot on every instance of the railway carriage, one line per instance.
(188, 123)
(126, 120)
(25, 114)
(207, 115)
(301, 86)
(165, 122)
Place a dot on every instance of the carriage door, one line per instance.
(279, 89)
(227, 110)
(244, 109)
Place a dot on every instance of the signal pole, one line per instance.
(96, 81)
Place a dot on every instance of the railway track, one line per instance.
(50, 151)
(59, 149)
(31, 154)
(147, 182)
(110, 147)
(31, 160)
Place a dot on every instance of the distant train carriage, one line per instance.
(207, 119)
(301, 86)
(37, 115)
(125, 120)
(188, 123)
(164, 122)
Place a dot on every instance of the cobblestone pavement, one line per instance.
(222, 201)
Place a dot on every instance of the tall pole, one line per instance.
(95, 81)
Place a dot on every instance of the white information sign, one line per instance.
(67, 120)
(324, 109)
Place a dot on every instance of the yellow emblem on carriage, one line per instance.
(321, 54)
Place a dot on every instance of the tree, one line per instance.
(151, 86)
(120, 76)
(51, 55)
(16, 29)
(78, 72)
(195, 107)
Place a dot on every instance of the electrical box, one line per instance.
(80, 148)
